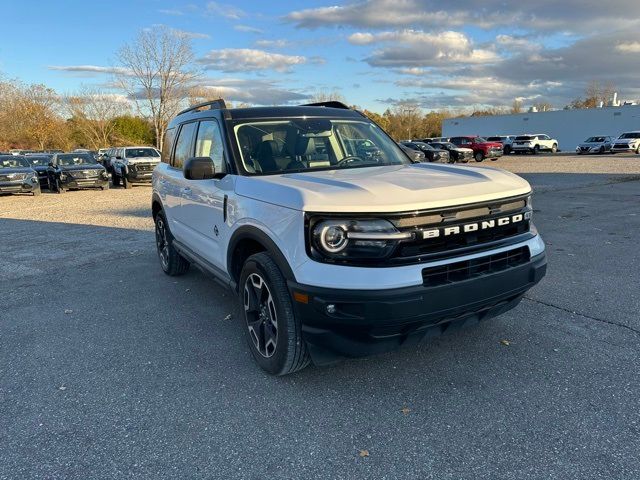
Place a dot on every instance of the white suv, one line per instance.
(131, 165)
(627, 142)
(333, 248)
(534, 143)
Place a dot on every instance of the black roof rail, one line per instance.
(212, 104)
(330, 104)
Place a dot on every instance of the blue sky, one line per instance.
(376, 53)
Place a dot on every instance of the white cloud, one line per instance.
(171, 12)
(90, 70)
(280, 43)
(417, 49)
(254, 91)
(224, 10)
(194, 35)
(247, 29)
(248, 59)
(628, 47)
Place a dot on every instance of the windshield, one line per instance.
(307, 144)
(630, 135)
(445, 145)
(71, 159)
(424, 146)
(13, 162)
(140, 152)
(38, 161)
(595, 140)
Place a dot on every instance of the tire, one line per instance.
(478, 156)
(464, 160)
(507, 149)
(536, 150)
(115, 179)
(126, 183)
(554, 148)
(273, 332)
(37, 193)
(171, 262)
(601, 151)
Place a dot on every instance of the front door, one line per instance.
(203, 201)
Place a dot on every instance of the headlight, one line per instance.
(348, 239)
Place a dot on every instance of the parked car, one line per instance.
(130, 165)
(40, 163)
(432, 154)
(73, 171)
(414, 154)
(435, 140)
(534, 144)
(17, 176)
(598, 144)
(333, 255)
(481, 147)
(505, 140)
(456, 154)
(627, 142)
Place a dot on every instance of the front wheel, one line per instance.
(554, 148)
(172, 263)
(478, 156)
(273, 332)
(536, 150)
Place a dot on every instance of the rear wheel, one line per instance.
(273, 332)
(554, 148)
(536, 150)
(172, 263)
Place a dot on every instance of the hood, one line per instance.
(490, 144)
(72, 168)
(143, 160)
(395, 188)
(9, 171)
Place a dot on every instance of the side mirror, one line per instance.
(199, 168)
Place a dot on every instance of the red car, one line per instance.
(481, 148)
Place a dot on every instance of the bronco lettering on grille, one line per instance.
(474, 227)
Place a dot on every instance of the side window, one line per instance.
(169, 136)
(209, 143)
(183, 144)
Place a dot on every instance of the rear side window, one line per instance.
(183, 144)
(209, 143)
(169, 136)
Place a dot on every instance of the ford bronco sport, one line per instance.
(333, 254)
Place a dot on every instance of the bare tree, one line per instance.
(93, 113)
(325, 96)
(201, 94)
(157, 71)
(516, 106)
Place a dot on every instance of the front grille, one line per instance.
(468, 269)
(85, 173)
(142, 167)
(622, 145)
(13, 177)
(487, 232)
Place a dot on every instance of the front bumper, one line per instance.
(18, 187)
(365, 322)
(79, 183)
(139, 177)
(494, 153)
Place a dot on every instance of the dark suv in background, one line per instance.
(17, 176)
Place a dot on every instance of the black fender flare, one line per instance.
(254, 233)
(155, 198)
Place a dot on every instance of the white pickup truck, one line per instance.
(333, 250)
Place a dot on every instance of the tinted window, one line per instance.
(141, 152)
(524, 138)
(169, 136)
(69, 159)
(38, 161)
(630, 135)
(209, 143)
(13, 161)
(183, 144)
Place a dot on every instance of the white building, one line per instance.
(569, 127)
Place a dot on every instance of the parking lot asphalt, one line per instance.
(110, 369)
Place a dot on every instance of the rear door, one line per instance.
(203, 201)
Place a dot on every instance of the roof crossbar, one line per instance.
(330, 104)
(211, 104)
